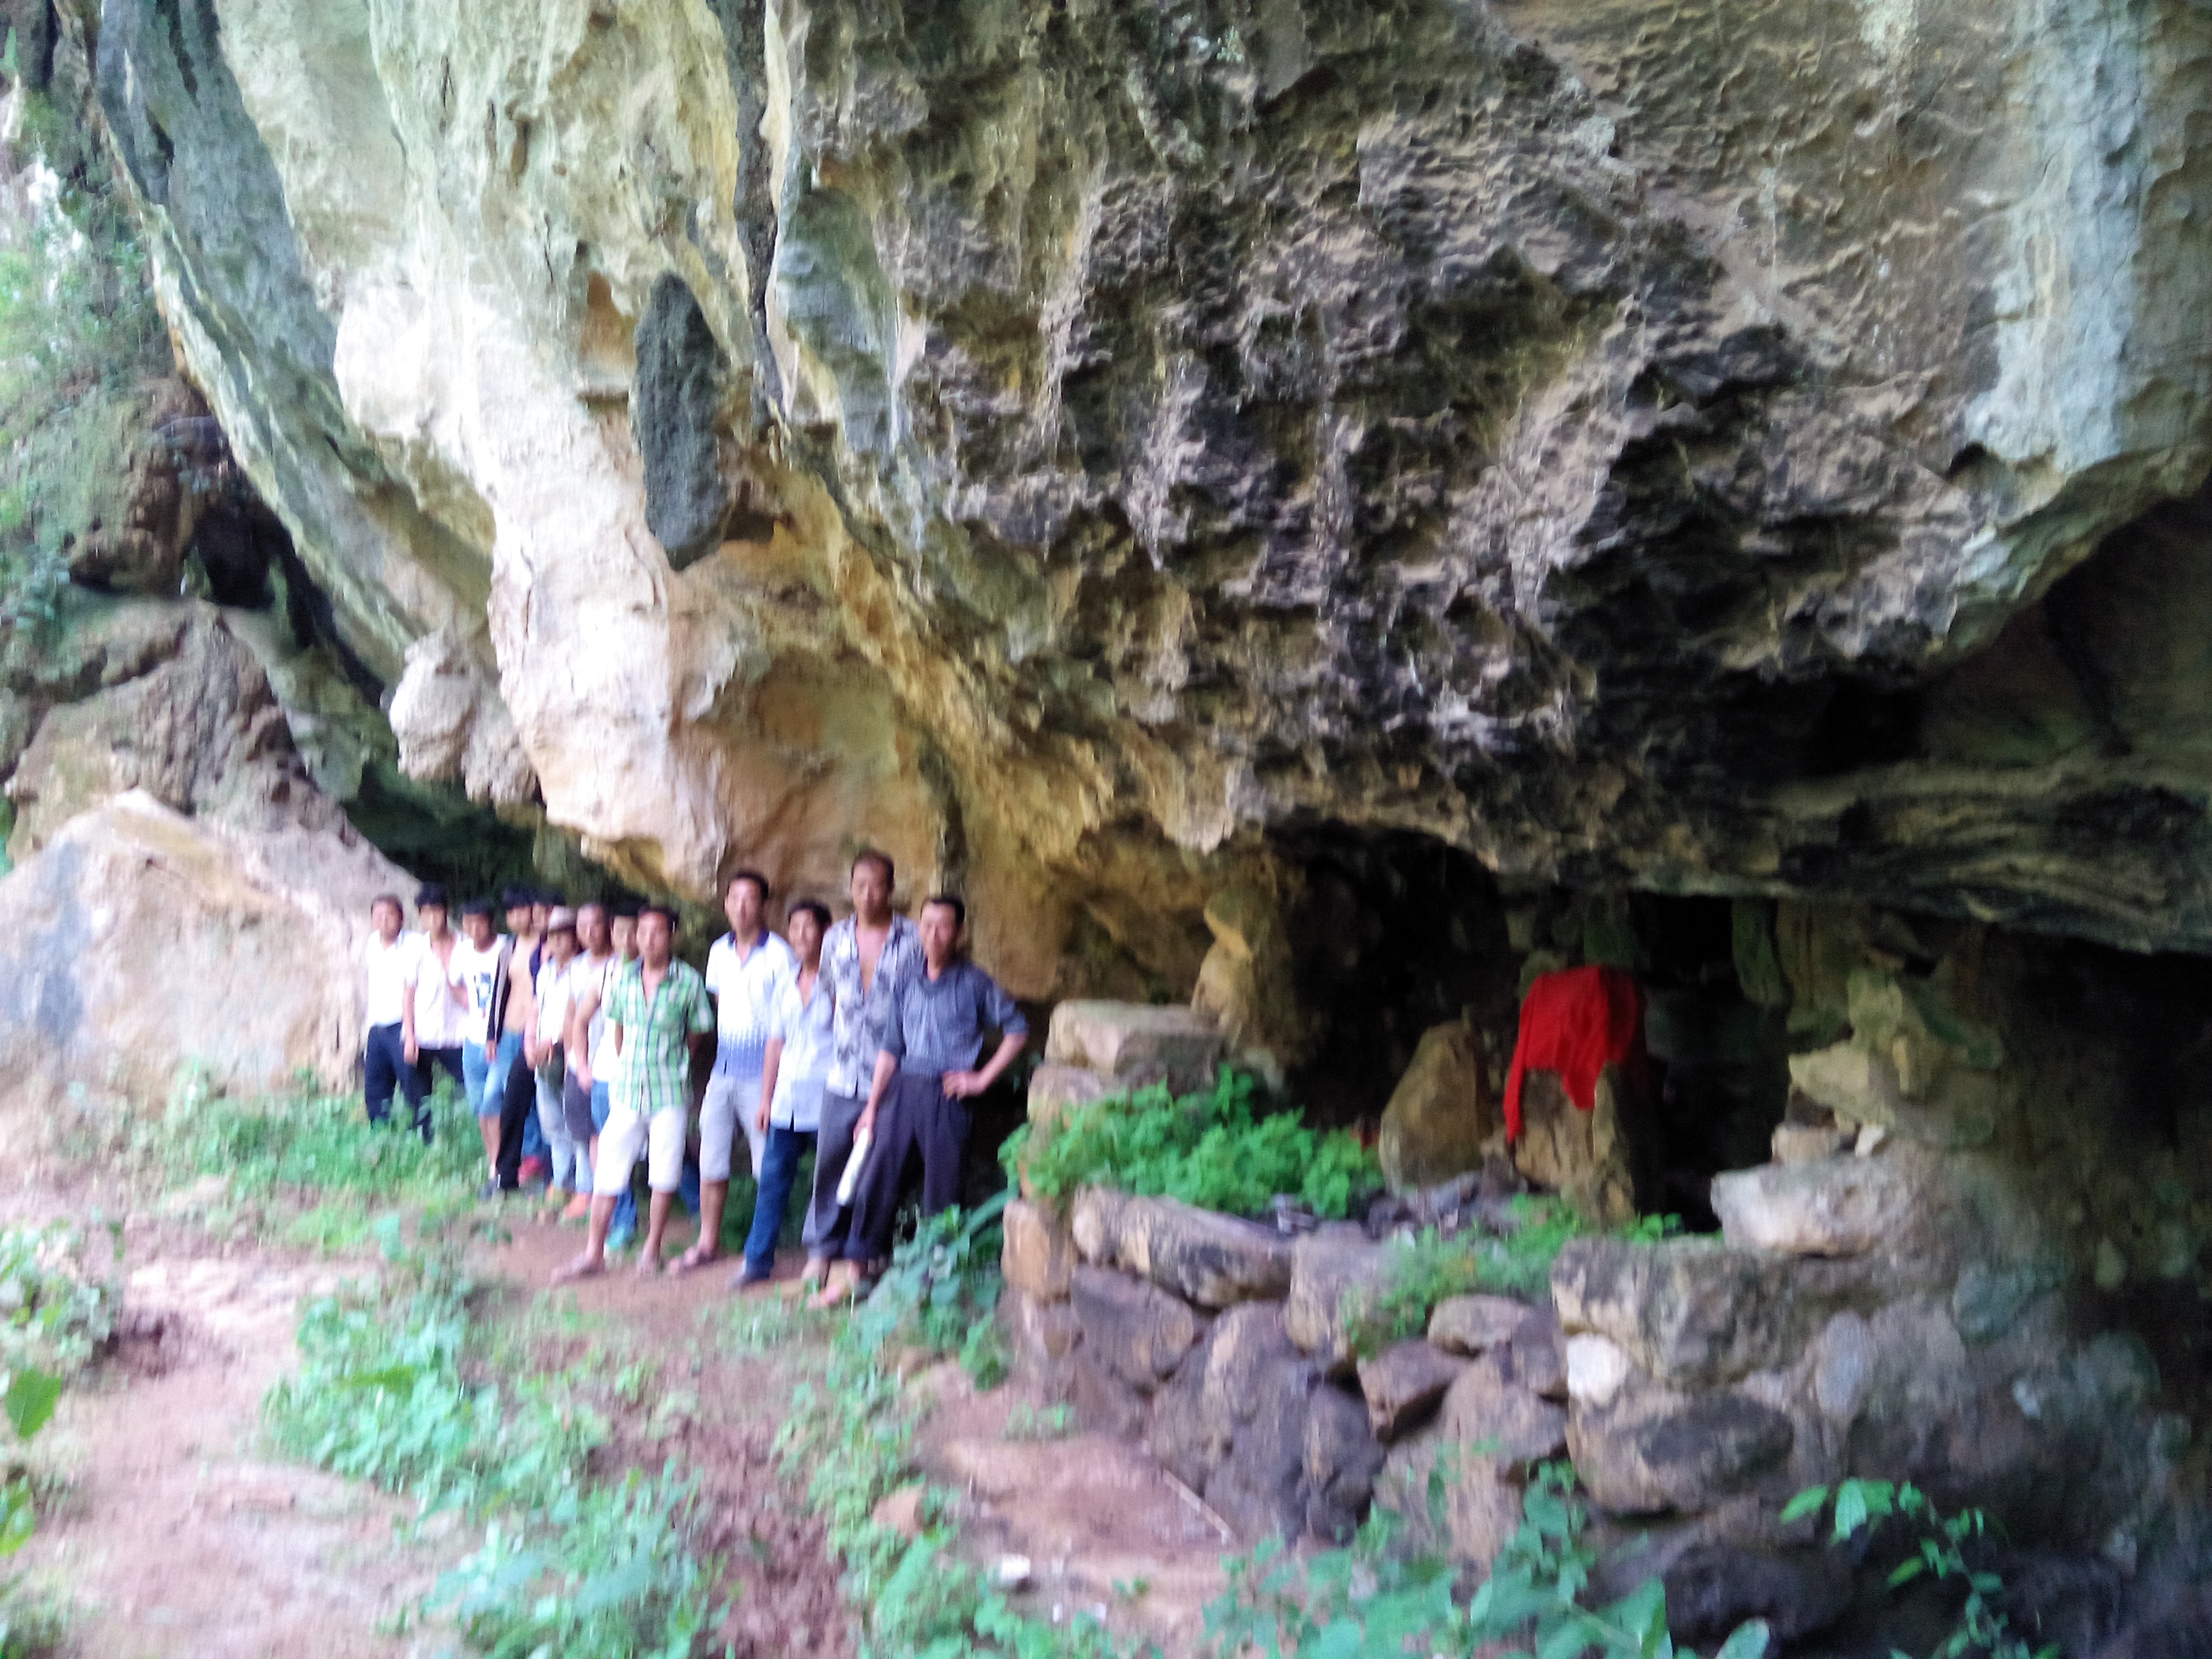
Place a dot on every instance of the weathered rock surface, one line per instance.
(1136, 1043)
(1441, 1113)
(1652, 1449)
(1232, 1423)
(1060, 454)
(1404, 1384)
(1844, 1206)
(1697, 1311)
(1343, 1457)
(139, 940)
(1134, 1331)
(1037, 1254)
(1591, 1158)
(1201, 1255)
(1487, 1438)
(159, 696)
(1042, 1336)
(1335, 1274)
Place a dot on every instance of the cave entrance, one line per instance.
(1720, 1054)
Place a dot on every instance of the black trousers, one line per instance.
(917, 1118)
(517, 1101)
(384, 1066)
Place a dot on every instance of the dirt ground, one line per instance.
(176, 1532)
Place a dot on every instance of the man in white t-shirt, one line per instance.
(603, 1067)
(747, 969)
(390, 962)
(442, 1001)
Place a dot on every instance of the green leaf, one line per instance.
(1747, 1641)
(1808, 1502)
(30, 1400)
(1907, 1571)
(1850, 1509)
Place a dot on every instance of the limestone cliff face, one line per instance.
(1070, 443)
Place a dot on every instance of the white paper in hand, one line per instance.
(852, 1180)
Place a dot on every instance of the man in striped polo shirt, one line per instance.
(747, 969)
(658, 1012)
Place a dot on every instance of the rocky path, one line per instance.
(175, 1531)
(178, 1536)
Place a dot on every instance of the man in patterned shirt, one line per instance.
(864, 959)
(659, 1011)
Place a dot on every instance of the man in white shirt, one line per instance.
(793, 1070)
(544, 1048)
(442, 1001)
(747, 969)
(391, 961)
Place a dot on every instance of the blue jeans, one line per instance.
(778, 1169)
(481, 1080)
(624, 1225)
(566, 1157)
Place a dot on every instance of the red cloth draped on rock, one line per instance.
(1576, 1022)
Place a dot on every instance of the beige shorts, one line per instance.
(731, 1103)
(661, 1137)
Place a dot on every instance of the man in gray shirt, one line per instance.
(926, 1074)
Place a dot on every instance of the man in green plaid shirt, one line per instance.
(658, 1012)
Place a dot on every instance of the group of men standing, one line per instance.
(863, 1038)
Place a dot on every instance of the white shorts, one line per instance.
(661, 1138)
(731, 1103)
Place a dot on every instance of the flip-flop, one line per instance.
(690, 1262)
(571, 1273)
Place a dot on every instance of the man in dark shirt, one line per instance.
(926, 1073)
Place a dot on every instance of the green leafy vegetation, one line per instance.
(1431, 1268)
(79, 333)
(1938, 1553)
(56, 1314)
(1206, 1149)
(306, 1170)
(396, 1387)
(56, 1310)
(850, 1433)
(1373, 1599)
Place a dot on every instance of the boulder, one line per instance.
(1335, 1274)
(1475, 1324)
(1259, 1384)
(1343, 1457)
(1041, 1337)
(1189, 1438)
(1054, 1089)
(180, 709)
(1214, 1261)
(1652, 1449)
(1403, 1385)
(1696, 1311)
(1133, 1330)
(1589, 1158)
(1488, 1437)
(1441, 1113)
(1843, 1205)
(1104, 1401)
(1807, 1143)
(260, 932)
(1231, 1423)
(1037, 1253)
(1136, 1043)
(1713, 1588)
(1248, 982)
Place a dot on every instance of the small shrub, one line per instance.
(1939, 1551)
(1206, 1149)
(1372, 1600)
(56, 1311)
(1430, 1267)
